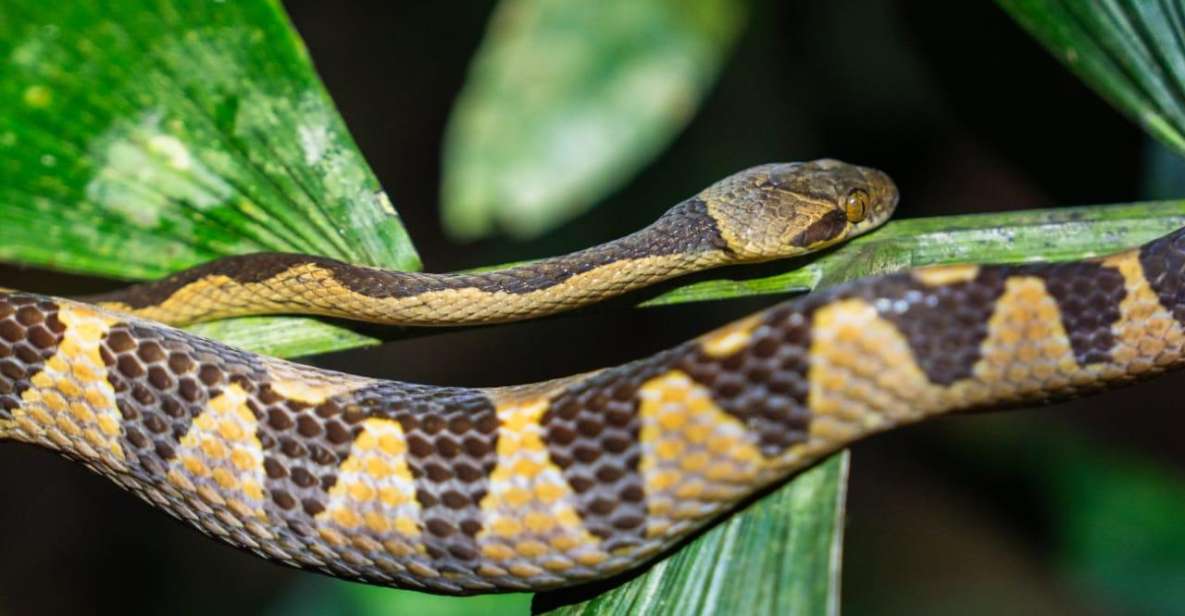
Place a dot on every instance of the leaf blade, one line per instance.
(142, 138)
(1130, 51)
(566, 101)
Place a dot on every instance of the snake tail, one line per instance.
(459, 490)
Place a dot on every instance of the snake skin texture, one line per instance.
(771, 211)
(458, 490)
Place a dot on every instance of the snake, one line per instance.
(532, 487)
(771, 211)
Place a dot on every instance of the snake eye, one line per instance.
(856, 205)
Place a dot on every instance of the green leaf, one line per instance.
(781, 556)
(1114, 515)
(139, 138)
(565, 101)
(1119, 521)
(1130, 51)
(320, 595)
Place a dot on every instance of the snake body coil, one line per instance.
(471, 490)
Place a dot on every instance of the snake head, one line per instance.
(781, 210)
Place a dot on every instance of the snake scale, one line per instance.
(458, 490)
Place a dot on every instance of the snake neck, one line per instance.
(683, 240)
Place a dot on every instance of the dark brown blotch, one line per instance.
(452, 449)
(1163, 262)
(945, 325)
(283, 499)
(157, 405)
(828, 227)
(591, 430)
(30, 333)
(763, 384)
(1088, 296)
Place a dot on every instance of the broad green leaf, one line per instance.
(318, 595)
(781, 556)
(565, 101)
(1120, 532)
(138, 138)
(1130, 51)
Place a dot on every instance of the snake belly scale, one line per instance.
(460, 490)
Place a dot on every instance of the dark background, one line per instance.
(956, 102)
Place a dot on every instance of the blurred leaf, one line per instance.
(1130, 51)
(1115, 516)
(139, 138)
(565, 101)
(1164, 171)
(322, 595)
(1120, 527)
(781, 556)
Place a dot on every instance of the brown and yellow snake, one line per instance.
(459, 490)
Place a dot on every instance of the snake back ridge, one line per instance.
(461, 490)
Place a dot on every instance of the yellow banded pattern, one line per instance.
(462, 490)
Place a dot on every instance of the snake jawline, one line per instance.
(466, 490)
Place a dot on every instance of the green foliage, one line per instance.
(138, 138)
(1128, 50)
(316, 596)
(1113, 515)
(1119, 526)
(565, 101)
